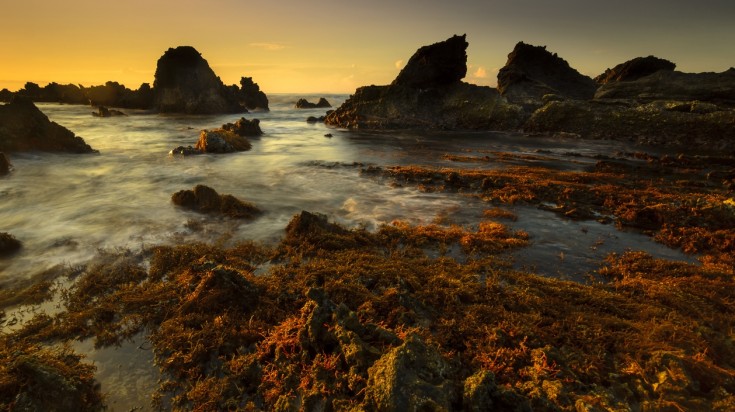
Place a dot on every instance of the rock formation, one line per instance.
(532, 72)
(8, 244)
(244, 127)
(4, 164)
(428, 94)
(251, 96)
(23, 127)
(305, 104)
(221, 141)
(204, 199)
(634, 69)
(184, 83)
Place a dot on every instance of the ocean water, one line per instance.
(64, 208)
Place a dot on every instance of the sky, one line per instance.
(335, 46)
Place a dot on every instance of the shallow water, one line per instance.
(65, 207)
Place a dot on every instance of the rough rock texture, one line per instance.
(718, 88)
(8, 244)
(23, 127)
(204, 199)
(411, 377)
(674, 124)
(251, 96)
(435, 65)
(4, 164)
(221, 141)
(634, 69)
(305, 104)
(244, 127)
(184, 83)
(532, 72)
(434, 99)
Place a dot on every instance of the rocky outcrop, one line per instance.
(4, 164)
(434, 99)
(184, 83)
(8, 244)
(204, 199)
(532, 72)
(250, 95)
(305, 104)
(23, 127)
(718, 88)
(244, 127)
(221, 141)
(634, 69)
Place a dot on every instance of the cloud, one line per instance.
(480, 73)
(268, 46)
(399, 64)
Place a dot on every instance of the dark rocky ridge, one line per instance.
(634, 69)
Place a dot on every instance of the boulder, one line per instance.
(251, 96)
(4, 164)
(184, 83)
(23, 127)
(305, 104)
(532, 72)
(221, 141)
(717, 88)
(204, 199)
(634, 69)
(436, 65)
(244, 127)
(8, 244)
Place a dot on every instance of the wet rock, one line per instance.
(244, 127)
(251, 96)
(634, 69)
(532, 72)
(439, 64)
(184, 83)
(185, 151)
(411, 377)
(4, 164)
(312, 119)
(23, 127)
(204, 199)
(305, 104)
(221, 141)
(8, 244)
(103, 111)
(307, 223)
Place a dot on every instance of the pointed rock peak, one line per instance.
(183, 56)
(436, 65)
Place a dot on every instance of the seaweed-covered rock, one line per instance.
(4, 164)
(532, 72)
(204, 199)
(634, 69)
(411, 377)
(184, 83)
(305, 104)
(8, 244)
(438, 64)
(251, 96)
(481, 393)
(244, 127)
(23, 127)
(221, 141)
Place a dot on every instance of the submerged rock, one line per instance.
(103, 111)
(204, 199)
(221, 141)
(244, 127)
(23, 127)
(251, 95)
(634, 69)
(8, 244)
(4, 164)
(184, 83)
(185, 151)
(305, 104)
(532, 72)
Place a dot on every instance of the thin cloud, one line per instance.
(268, 46)
(399, 64)
(480, 73)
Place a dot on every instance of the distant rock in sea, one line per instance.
(634, 69)
(244, 127)
(305, 104)
(103, 111)
(532, 72)
(204, 199)
(250, 95)
(23, 127)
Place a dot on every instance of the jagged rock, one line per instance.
(305, 104)
(184, 83)
(185, 151)
(23, 127)
(436, 65)
(221, 141)
(410, 377)
(251, 96)
(532, 72)
(6, 95)
(8, 244)
(244, 127)
(4, 164)
(718, 88)
(634, 69)
(204, 199)
(103, 111)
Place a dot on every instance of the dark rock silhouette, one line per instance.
(184, 83)
(305, 104)
(103, 111)
(634, 69)
(244, 127)
(204, 199)
(6, 95)
(4, 164)
(532, 72)
(439, 64)
(221, 141)
(111, 94)
(251, 96)
(8, 244)
(23, 127)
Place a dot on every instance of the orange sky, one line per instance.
(331, 46)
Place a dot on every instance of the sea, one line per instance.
(66, 208)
